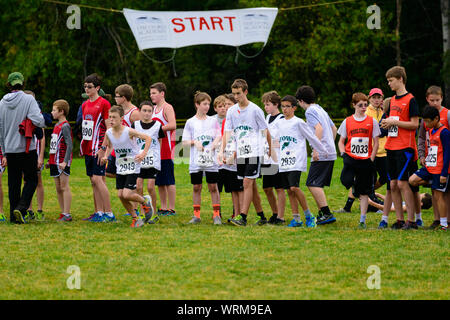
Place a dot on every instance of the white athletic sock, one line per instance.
(418, 216)
(307, 213)
(110, 214)
(384, 218)
(100, 213)
(363, 218)
(297, 217)
(444, 222)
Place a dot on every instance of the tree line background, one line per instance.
(328, 47)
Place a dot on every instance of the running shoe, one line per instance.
(260, 221)
(398, 225)
(170, 212)
(383, 225)
(19, 217)
(238, 221)
(29, 215)
(195, 220)
(2, 217)
(443, 228)
(217, 221)
(148, 208)
(161, 212)
(272, 219)
(98, 218)
(39, 215)
(65, 218)
(295, 224)
(279, 222)
(153, 220)
(325, 219)
(434, 225)
(90, 217)
(409, 225)
(108, 218)
(311, 222)
(136, 223)
(419, 222)
(362, 225)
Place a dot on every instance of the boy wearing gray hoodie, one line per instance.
(15, 107)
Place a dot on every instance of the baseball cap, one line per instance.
(375, 91)
(15, 78)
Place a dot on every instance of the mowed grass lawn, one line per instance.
(173, 260)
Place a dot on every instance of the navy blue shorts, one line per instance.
(434, 180)
(111, 165)
(92, 168)
(166, 176)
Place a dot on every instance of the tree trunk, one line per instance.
(397, 33)
(446, 47)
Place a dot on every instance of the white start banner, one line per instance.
(172, 29)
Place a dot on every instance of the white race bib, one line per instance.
(247, 147)
(205, 158)
(125, 165)
(431, 160)
(53, 143)
(87, 129)
(148, 161)
(287, 159)
(359, 147)
(393, 131)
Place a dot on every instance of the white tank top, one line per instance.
(153, 158)
(127, 117)
(126, 150)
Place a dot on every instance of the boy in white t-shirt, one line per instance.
(246, 120)
(291, 133)
(202, 134)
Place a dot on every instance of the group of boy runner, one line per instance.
(238, 145)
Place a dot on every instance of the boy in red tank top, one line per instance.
(401, 123)
(437, 162)
(361, 132)
(434, 97)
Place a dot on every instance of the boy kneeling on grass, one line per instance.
(123, 140)
(60, 157)
(436, 163)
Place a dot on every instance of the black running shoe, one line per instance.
(434, 225)
(238, 221)
(272, 219)
(325, 219)
(410, 225)
(398, 225)
(279, 222)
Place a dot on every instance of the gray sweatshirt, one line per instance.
(14, 108)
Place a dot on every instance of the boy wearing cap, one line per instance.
(15, 107)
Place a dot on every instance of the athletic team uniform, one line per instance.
(111, 164)
(166, 176)
(60, 149)
(230, 179)
(247, 125)
(202, 162)
(151, 164)
(437, 161)
(270, 168)
(93, 132)
(126, 150)
(358, 167)
(292, 159)
(401, 143)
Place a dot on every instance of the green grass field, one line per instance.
(172, 260)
